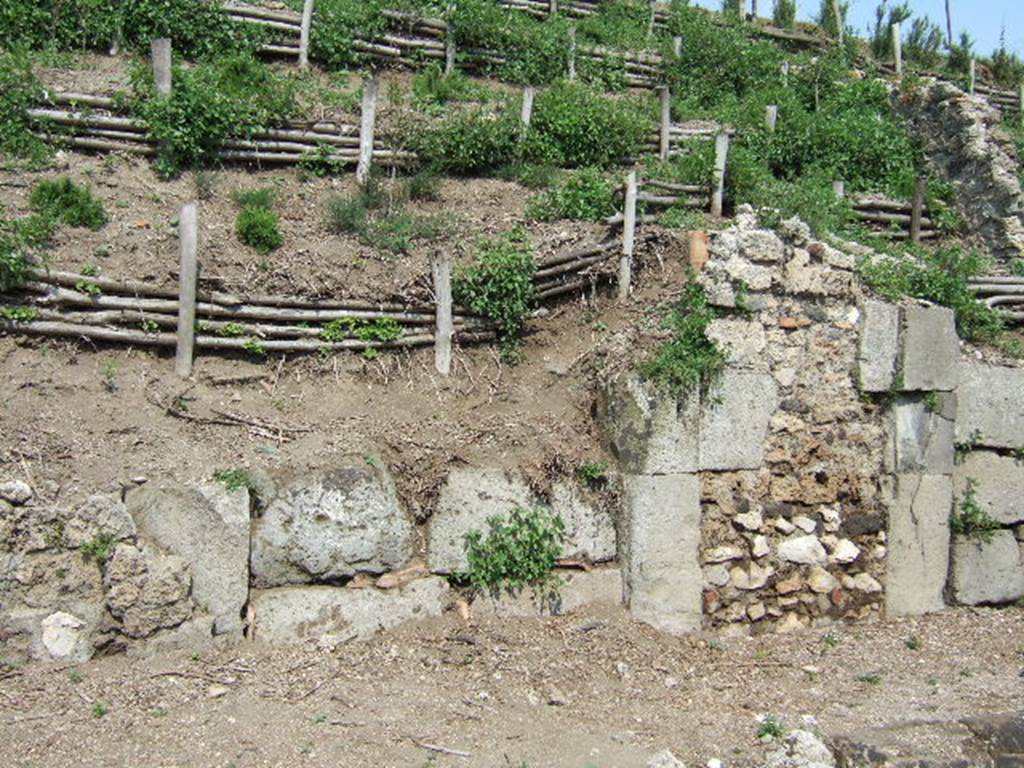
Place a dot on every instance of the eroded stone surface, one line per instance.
(918, 544)
(147, 590)
(878, 345)
(930, 349)
(998, 483)
(991, 409)
(987, 572)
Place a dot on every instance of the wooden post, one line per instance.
(785, 74)
(527, 112)
(666, 122)
(840, 32)
(721, 157)
(188, 277)
(441, 267)
(917, 210)
(307, 21)
(677, 46)
(897, 47)
(839, 189)
(771, 117)
(572, 52)
(449, 51)
(367, 121)
(650, 24)
(972, 77)
(160, 51)
(552, 7)
(753, 10)
(1020, 104)
(628, 237)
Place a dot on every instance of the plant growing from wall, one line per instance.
(970, 519)
(519, 551)
(688, 359)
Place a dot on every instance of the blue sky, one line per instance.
(982, 18)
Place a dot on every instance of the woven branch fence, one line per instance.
(1004, 294)
(893, 218)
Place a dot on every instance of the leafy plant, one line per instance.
(258, 228)
(99, 709)
(592, 474)
(770, 727)
(18, 314)
(784, 14)
(235, 479)
(63, 200)
(970, 519)
(19, 91)
(517, 552)
(585, 195)
(500, 284)
(98, 548)
(870, 678)
(468, 141)
(689, 358)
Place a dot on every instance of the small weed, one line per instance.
(371, 460)
(424, 185)
(63, 200)
(933, 681)
(89, 270)
(770, 728)
(715, 645)
(255, 198)
(320, 717)
(231, 330)
(592, 474)
(830, 640)
(370, 354)
(150, 326)
(159, 712)
(88, 287)
(18, 314)
(913, 643)
(74, 676)
(234, 479)
(110, 369)
(254, 347)
(203, 183)
(970, 519)
(99, 709)
(871, 678)
(98, 548)
(258, 228)
(101, 252)
(931, 402)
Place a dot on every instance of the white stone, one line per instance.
(589, 529)
(804, 550)
(930, 349)
(805, 524)
(782, 525)
(821, 581)
(16, 492)
(716, 575)
(65, 637)
(801, 749)
(665, 759)
(753, 578)
(864, 582)
(845, 552)
(751, 521)
(760, 546)
(734, 420)
(722, 554)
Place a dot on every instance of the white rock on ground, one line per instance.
(801, 749)
(665, 759)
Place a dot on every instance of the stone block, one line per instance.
(734, 420)
(991, 411)
(659, 552)
(330, 525)
(602, 586)
(987, 572)
(330, 616)
(468, 498)
(878, 346)
(930, 349)
(208, 526)
(923, 430)
(147, 590)
(650, 431)
(743, 342)
(918, 539)
(589, 529)
(998, 484)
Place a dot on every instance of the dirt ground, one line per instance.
(584, 690)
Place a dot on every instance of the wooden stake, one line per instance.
(552, 7)
(753, 10)
(1020, 103)
(721, 157)
(917, 210)
(449, 51)
(188, 279)
(839, 189)
(666, 122)
(367, 121)
(972, 76)
(771, 117)
(524, 116)
(307, 21)
(785, 74)
(441, 267)
(572, 53)
(840, 32)
(897, 48)
(160, 51)
(650, 24)
(677, 46)
(628, 237)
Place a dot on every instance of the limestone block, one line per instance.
(918, 538)
(734, 420)
(659, 551)
(330, 525)
(98, 516)
(923, 432)
(650, 431)
(208, 526)
(602, 586)
(879, 346)
(147, 590)
(987, 572)
(589, 529)
(991, 406)
(998, 484)
(333, 615)
(930, 349)
(743, 341)
(469, 497)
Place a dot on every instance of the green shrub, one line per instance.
(98, 548)
(688, 359)
(474, 140)
(592, 474)
(338, 23)
(19, 91)
(924, 43)
(784, 14)
(881, 37)
(500, 284)
(939, 276)
(431, 87)
(530, 175)
(227, 98)
(574, 125)
(259, 229)
(519, 552)
(827, 16)
(235, 479)
(262, 197)
(585, 195)
(63, 200)
(424, 185)
(969, 519)
(347, 215)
